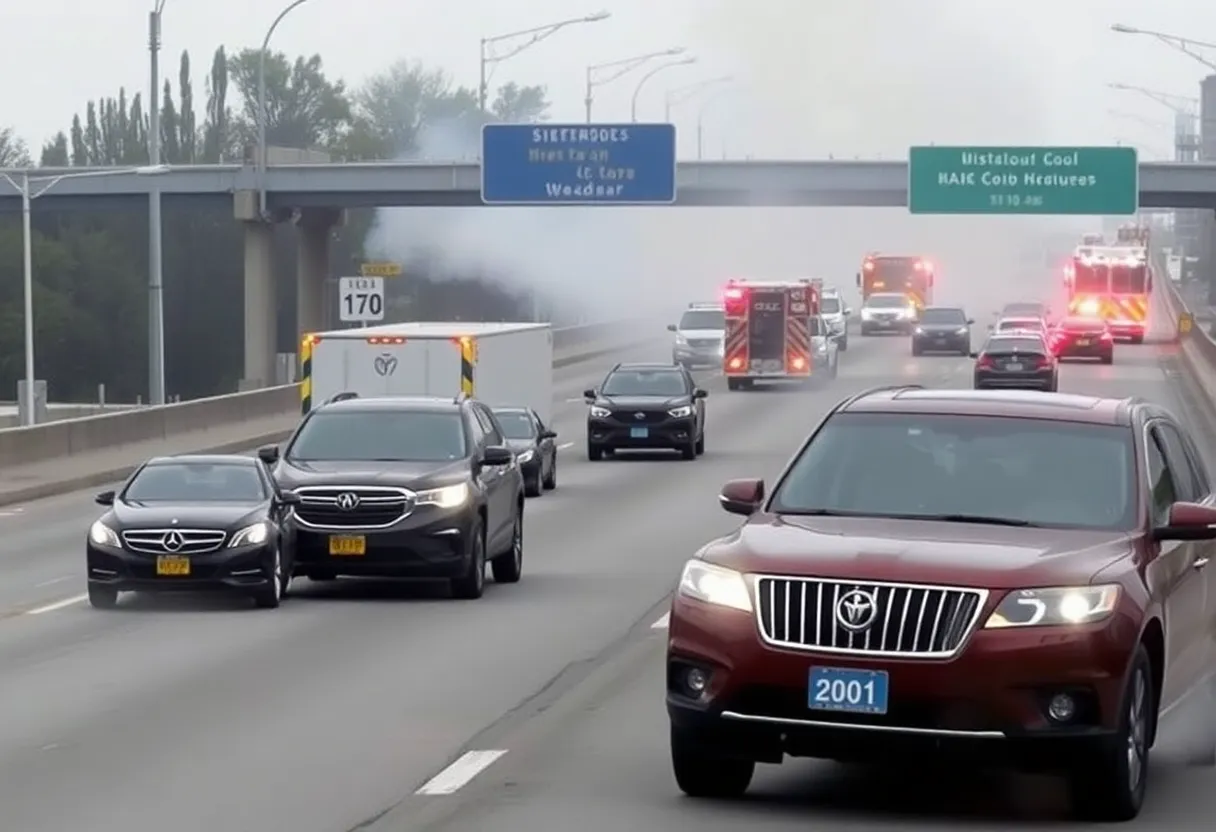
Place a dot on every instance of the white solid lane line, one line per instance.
(58, 605)
(661, 624)
(467, 766)
(565, 445)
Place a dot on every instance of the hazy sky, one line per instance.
(814, 77)
(863, 76)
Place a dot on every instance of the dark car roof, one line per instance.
(1025, 404)
(413, 403)
(203, 459)
(646, 366)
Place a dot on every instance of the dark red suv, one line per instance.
(1016, 578)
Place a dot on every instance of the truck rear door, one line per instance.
(766, 329)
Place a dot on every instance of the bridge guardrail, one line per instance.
(72, 437)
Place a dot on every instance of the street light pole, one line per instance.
(262, 103)
(23, 187)
(682, 94)
(1176, 42)
(637, 90)
(533, 36)
(156, 291)
(619, 69)
(705, 105)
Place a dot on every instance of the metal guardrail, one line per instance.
(71, 437)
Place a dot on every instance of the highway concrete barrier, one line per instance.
(60, 440)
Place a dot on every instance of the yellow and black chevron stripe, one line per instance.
(306, 374)
(468, 358)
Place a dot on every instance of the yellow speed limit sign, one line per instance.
(380, 270)
(1185, 323)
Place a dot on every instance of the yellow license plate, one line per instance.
(174, 565)
(348, 546)
(1082, 342)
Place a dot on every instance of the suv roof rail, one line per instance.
(342, 397)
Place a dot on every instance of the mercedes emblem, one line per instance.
(856, 610)
(639, 415)
(347, 501)
(172, 541)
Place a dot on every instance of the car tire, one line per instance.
(102, 597)
(916, 349)
(700, 773)
(508, 566)
(549, 482)
(842, 344)
(270, 595)
(865, 332)
(1137, 339)
(594, 452)
(532, 486)
(1108, 359)
(472, 584)
(689, 451)
(700, 446)
(1109, 785)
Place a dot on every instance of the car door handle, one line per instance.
(1200, 563)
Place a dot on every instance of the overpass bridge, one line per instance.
(314, 196)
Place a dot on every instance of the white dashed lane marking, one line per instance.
(58, 605)
(456, 776)
(661, 624)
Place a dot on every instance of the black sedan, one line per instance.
(534, 445)
(1020, 361)
(192, 523)
(942, 329)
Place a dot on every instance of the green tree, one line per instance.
(55, 152)
(13, 151)
(304, 109)
(217, 137)
(187, 128)
(517, 104)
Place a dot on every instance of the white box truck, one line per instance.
(501, 364)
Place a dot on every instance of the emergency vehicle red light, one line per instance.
(733, 294)
(869, 265)
(736, 364)
(311, 339)
(386, 339)
(798, 362)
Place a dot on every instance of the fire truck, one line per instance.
(768, 331)
(1133, 235)
(881, 273)
(1113, 283)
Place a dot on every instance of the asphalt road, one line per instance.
(364, 703)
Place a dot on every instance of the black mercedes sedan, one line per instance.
(192, 522)
(942, 329)
(534, 446)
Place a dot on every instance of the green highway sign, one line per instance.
(1091, 181)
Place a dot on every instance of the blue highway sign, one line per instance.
(578, 164)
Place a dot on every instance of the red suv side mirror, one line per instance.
(1188, 521)
(742, 496)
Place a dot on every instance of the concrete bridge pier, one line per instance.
(261, 305)
(315, 229)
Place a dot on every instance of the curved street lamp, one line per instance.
(637, 90)
(619, 69)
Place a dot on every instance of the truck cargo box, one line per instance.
(501, 364)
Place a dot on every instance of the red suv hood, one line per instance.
(913, 551)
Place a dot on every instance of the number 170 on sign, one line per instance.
(360, 299)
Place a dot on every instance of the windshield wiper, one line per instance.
(973, 518)
(939, 518)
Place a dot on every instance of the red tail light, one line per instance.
(1044, 362)
(984, 363)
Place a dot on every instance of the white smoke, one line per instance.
(866, 78)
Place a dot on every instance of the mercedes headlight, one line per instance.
(598, 412)
(962, 330)
(680, 412)
(254, 535)
(524, 457)
(1055, 606)
(715, 585)
(450, 496)
(103, 535)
